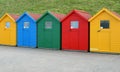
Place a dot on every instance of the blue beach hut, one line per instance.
(26, 30)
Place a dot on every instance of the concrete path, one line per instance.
(15, 59)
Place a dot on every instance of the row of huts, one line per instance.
(77, 30)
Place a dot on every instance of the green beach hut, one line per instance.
(48, 30)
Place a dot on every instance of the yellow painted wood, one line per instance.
(104, 40)
(107, 40)
(7, 35)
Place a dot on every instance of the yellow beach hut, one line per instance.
(105, 32)
(8, 29)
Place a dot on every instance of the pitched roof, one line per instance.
(82, 13)
(58, 16)
(85, 14)
(14, 16)
(34, 16)
(113, 14)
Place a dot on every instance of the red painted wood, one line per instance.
(75, 39)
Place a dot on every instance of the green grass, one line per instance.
(59, 6)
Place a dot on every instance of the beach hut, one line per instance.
(75, 31)
(26, 30)
(105, 32)
(8, 29)
(49, 30)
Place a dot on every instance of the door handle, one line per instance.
(101, 28)
(98, 30)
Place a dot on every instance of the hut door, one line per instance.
(26, 36)
(104, 36)
(6, 33)
(48, 34)
(74, 27)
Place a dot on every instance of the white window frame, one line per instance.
(72, 24)
(48, 25)
(7, 25)
(26, 25)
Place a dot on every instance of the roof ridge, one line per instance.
(113, 12)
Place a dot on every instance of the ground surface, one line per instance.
(14, 59)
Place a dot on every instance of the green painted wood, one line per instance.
(48, 38)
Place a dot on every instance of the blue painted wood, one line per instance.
(26, 37)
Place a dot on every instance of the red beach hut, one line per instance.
(75, 31)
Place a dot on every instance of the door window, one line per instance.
(7, 25)
(74, 25)
(26, 24)
(48, 25)
(104, 24)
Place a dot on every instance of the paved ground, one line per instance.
(13, 59)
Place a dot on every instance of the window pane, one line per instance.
(104, 24)
(74, 24)
(7, 25)
(48, 25)
(26, 24)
